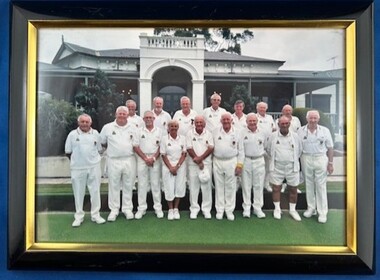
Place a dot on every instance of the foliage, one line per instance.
(240, 92)
(55, 119)
(221, 39)
(99, 99)
(324, 119)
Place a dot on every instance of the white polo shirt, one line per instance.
(284, 148)
(228, 144)
(265, 124)
(212, 117)
(136, 121)
(199, 143)
(119, 139)
(317, 142)
(173, 148)
(186, 123)
(161, 121)
(148, 140)
(254, 142)
(84, 148)
(239, 123)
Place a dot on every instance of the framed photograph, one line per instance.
(65, 55)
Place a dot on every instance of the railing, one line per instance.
(172, 42)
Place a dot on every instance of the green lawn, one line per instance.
(56, 227)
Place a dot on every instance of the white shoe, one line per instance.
(295, 215)
(77, 222)
(176, 214)
(219, 216)
(230, 216)
(246, 214)
(207, 215)
(159, 214)
(170, 215)
(269, 189)
(139, 214)
(129, 215)
(112, 217)
(309, 212)
(322, 219)
(193, 215)
(99, 220)
(259, 213)
(277, 214)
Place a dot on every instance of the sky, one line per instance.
(315, 49)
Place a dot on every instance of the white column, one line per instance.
(198, 98)
(145, 95)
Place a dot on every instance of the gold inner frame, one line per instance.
(351, 214)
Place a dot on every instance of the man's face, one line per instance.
(158, 104)
(215, 102)
(132, 109)
(226, 122)
(313, 119)
(84, 123)
(284, 124)
(287, 111)
(173, 128)
(199, 124)
(121, 117)
(261, 109)
(185, 104)
(252, 123)
(238, 108)
(149, 120)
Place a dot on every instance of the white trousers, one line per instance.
(253, 180)
(121, 173)
(225, 184)
(314, 169)
(195, 186)
(149, 179)
(174, 186)
(80, 178)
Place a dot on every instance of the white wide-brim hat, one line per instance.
(204, 176)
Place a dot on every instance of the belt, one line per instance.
(218, 158)
(314, 155)
(256, 157)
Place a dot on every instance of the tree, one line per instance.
(222, 39)
(99, 99)
(240, 92)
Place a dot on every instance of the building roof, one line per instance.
(235, 57)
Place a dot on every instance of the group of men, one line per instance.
(219, 147)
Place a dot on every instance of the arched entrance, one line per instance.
(171, 83)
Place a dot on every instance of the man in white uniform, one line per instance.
(118, 137)
(266, 125)
(239, 119)
(227, 164)
(161, 117)
(284, 149)
(295, 124)
(147, 147)
(213, 113)
(82, 148)
(185, 117)
(200, 145)
(316, 162)
(254, 142)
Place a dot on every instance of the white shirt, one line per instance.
(228, 144)
(84, 148)
(315, 143)
(173, 148)
(161, 121)
(199, 143)
(148, 140)
(119, 139)
(186, 123)
(136, 121)
(239, 123)
(212, 117)
(265, 124)
(254, 142)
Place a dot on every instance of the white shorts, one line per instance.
(282, 171)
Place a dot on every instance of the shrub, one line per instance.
(55, 119)
(324, 119)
